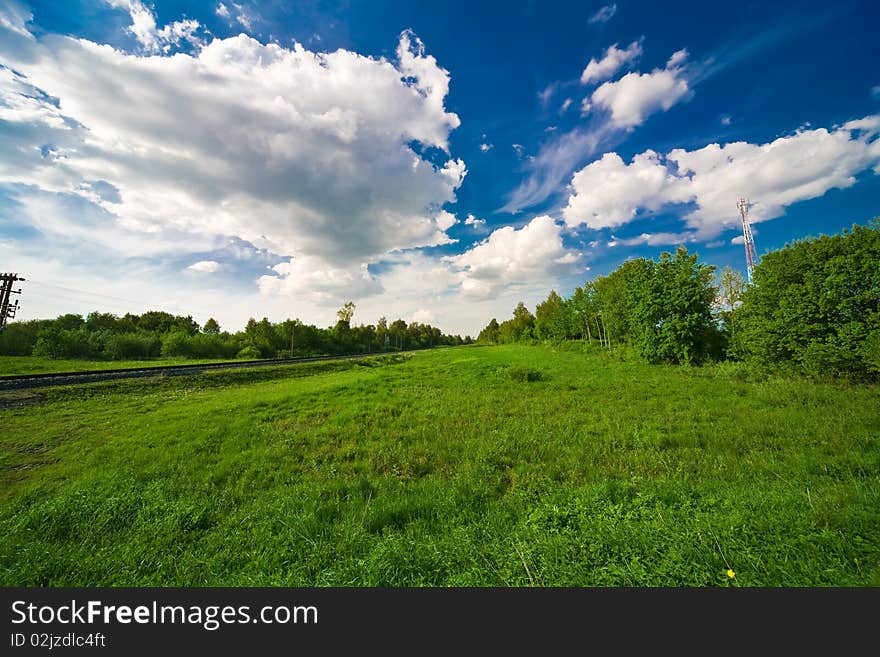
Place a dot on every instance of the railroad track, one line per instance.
(25, 381)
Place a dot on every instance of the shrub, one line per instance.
(249, 353)
(62, 343)
(132, 345)
(524, 374)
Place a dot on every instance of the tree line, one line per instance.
(157, 334)
(812, 306)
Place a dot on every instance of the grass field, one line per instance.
(36, 365)
(447, 467)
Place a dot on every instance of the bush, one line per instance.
(871, 351)
(62, 343)
(249, 353)
(814, 303)
(132, 346)
(524, 374)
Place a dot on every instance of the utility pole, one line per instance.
(748, 240)
(7, 309)
(292, 331)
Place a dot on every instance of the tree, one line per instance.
(211, 327)
(615, 298)
(382, 332)
(551, 321)
(490, 333)
(346, 313)
(672, 309)
(583, 311)
(816, 303)
(397, 332)
(731, 287)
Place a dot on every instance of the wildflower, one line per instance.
(730, 573)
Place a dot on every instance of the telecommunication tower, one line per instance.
(748, 240)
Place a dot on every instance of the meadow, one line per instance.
(511, 465)
(38, 365)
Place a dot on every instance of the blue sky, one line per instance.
(437, 162)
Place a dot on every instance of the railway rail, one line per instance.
(26, 381)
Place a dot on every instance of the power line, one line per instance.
(88, 293)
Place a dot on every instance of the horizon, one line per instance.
(237, 160)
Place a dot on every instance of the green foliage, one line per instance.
(616, 297)
(249, 353)
(816, 304)
(524, 374)
(552, 318)
(672, 309)
(133, 345)
(105, 336)
(665, 308)
(489, 335)
(62, 343)
(608, 473)
(211, 326)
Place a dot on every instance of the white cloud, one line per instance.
(615, 109)
(149, 35)
(654, 239)
(206, 266)
(725, 120)
(485, 147)
(518, 148)
(471, 220)
(245, 16)
(612, 61)
(14, 17)
(222, 11)
(302, 153)
(510, 256)
(876, 91)
(546, 93)
(565, 105)
(318, 282)
(609, 192)
(635, 96)
(604, 14)
(422, 316)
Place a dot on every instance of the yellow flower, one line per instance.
(730, 573)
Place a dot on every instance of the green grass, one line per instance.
(443, 468)
(37, 365)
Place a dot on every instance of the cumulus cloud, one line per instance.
(422, 316)
(612, 61)
(614, 109)
(604, 14)
(207, 266)
(471, 220)
(635, 96)
(304, 154)
(149, 35)
(318, 282)
(609, 192)
(14, 17)
(510, 255)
